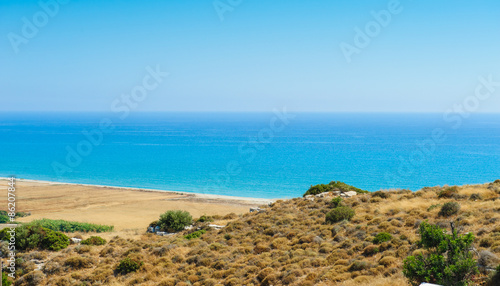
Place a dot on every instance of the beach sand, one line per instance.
(127, 209)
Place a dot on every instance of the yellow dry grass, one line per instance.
(127, 210)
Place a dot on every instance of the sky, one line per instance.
(242, 55)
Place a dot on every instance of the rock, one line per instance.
(216, 226)
(325, 195)
(75, 240)
(348, 194)
(309, 197)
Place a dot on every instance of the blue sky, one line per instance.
(261, 55)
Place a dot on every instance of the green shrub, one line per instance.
(4, 219)
(318, 189)
(332, 186)
(71, 226)
(449, 209)
(195, 234)
(54, 240)
(5, 280)
(382, 237)
(448, 260)
(17, 214)
(173, 221)
(30, 237)
(433, 207)
(339, 214)
(336, 202)
(128, 265)
(94, 240)
(205, 218)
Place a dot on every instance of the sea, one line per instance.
(275, 154)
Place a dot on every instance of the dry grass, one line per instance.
(288, 243)
(128, 210)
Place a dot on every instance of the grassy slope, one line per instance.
(288, 243)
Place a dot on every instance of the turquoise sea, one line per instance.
(263, 155)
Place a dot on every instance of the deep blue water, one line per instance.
(221, 153)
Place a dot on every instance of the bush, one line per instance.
(71, 226)
(174, 221)
(128, 265)
(54, 240)
(4, 219)
(339, 214)
(448, 192)
(318, 189)
(382, 237)
(5, 280)
(448, 261)
(195, 234)
(30, 237)
(449, 209)
(205, 218)
(336, 202)
(333, 185)
(94, 240)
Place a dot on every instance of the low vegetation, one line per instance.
(174, 221)
(94, 240)
(448, 261)
(71, 226)
(29, 237)
(333, 186)
(128, 265)
(398, 239)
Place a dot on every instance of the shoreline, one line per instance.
(186, 194)
(124, 208)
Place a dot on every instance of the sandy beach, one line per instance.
(124, 208)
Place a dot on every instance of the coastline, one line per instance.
(194, 195)
(125, 208)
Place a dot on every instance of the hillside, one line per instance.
(286, 243)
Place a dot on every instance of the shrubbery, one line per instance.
(5, 280)
(71, 226)
(54, 240)
(195, 234)
(128, 265)
(339, 214)
(336, 202)
(332, 186)
(94, 240)
(449, 209)
(205, 218)
(30, 237)
(4, 217)
(173, 221)
(382, 237)
(448, 260)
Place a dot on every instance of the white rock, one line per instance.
(350, 194)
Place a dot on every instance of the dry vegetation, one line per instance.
(288, 243)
